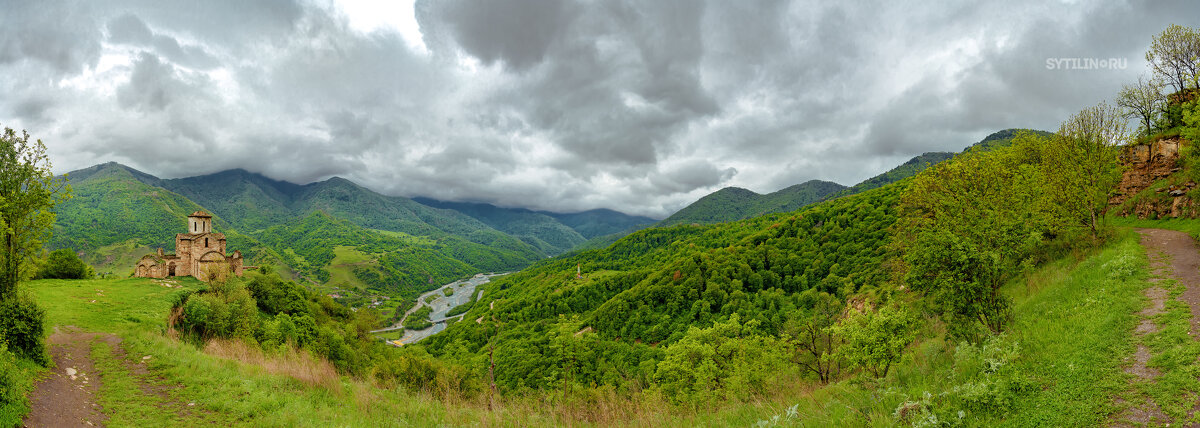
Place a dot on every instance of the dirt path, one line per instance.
(1183, 266)
(1173, 256)
(67, 396)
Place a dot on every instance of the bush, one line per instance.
(226, 312)
(875, 340)
(727, 360)
(13, 384)
(65, 264)
(21, 326)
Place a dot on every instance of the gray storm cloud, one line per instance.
(639, 106)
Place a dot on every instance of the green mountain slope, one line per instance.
(115, 216)
(600, 222)
(925, 160)
(253, 202)
(399, 247)
(538, 229)
(734, 203)
(644, 292)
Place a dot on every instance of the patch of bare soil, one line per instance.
(66, 397)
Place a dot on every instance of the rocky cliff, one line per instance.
(1143, 191)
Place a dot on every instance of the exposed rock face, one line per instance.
(1148, 163)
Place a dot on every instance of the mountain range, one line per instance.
(337, 234)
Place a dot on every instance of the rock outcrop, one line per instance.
(1147, 164)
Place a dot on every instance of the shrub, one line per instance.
(875, 340)
(21, 326)
(13, 384)
(724, 361)
(65, 264)
(421, 373)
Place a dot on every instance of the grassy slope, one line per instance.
(224, 391)
(1072, 328)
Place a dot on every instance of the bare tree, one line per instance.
(1174, 55)
(1142, 100)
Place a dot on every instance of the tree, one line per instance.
(28, 192)
(1082, 164)
(64, 264)
(1174, 55)
(970, 224)
(814, 339)
(1142, 100)
(875, 340)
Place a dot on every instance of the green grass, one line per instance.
(223, 391)
(390, 335)
(109, 305)
(19, 374)
(1175, 355)
(341, 269)
(116, 259)
(1187, 225)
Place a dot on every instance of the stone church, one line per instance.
(200, 253)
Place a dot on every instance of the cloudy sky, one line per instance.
(639, 106)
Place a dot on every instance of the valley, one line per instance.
(464, 292)
(594, 214)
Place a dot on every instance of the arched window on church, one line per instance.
(205, 242)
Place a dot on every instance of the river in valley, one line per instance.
(441, 305)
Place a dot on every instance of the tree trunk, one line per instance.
(8, 278)
(492, 376)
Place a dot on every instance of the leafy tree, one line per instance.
(1191, 120)
(1175, 55)
(65, 264)
(723, 361)
(875, 340)
(814, 340)
(1082, 165)
(1143, 100)
(970, 224)
(28, 192)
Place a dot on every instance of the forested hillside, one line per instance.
(543, 232)
(390, 246)
(118, 214)
(642, 294)
(725, 311)
(735, 203)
